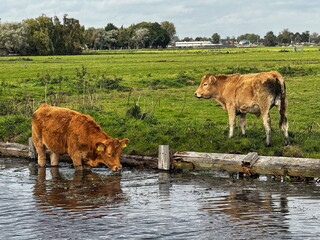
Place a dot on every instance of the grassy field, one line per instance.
(147, 96)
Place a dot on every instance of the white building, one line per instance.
(196, 44)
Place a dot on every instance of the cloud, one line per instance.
(191, 18)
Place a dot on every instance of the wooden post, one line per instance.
(247, 163)
(250, 159)
(32, 149)
(164, 157)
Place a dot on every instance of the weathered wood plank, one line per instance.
(14, 150)
(250, 159)
(208, 161)
(303, 167)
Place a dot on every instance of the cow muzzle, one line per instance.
(197, 95)
(116, 168)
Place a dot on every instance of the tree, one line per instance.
(100, 41)
(14, 38)
(123, 37)
(270, 39)
(40, 31)
(253, 38)
(187, 39)
(285, 37)
(305, 37)
(158, 36)
(170, 28)
(90, 36)
(73, 35)
(57, 38)
(297, 37)
(111, 38)
(201, 39)
(141, 37)
(314, 37)
(215, 38)
(110, 27)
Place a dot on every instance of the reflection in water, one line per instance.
(58, 203)
(260, 214)
(83, 193)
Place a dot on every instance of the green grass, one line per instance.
(147, 96)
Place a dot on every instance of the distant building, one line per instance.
(195, 44)
(244, 42)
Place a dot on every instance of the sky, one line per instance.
(192, 18)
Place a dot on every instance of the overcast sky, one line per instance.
(192, 18)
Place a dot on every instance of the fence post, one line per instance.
(164, 157)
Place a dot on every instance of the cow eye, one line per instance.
(205, 84)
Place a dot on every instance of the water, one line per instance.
(57, 203)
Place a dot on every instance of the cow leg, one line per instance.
(232, 120)
(54, 158)
(38, 144)
(267, 126)
(77, 160)
(243, 123)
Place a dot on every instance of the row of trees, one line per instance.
(285, 37)
(46, 36)
(42, 36)
(141, 35)
(49, 36)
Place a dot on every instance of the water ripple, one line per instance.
(58, 203)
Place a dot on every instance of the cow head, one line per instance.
(108, 152)
(207, 88)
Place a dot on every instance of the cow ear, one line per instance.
(124, 142)
(212, 79)
(100, 147)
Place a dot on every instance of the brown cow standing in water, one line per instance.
(251, 93)
(65, 131)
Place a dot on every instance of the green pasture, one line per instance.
(147, 96)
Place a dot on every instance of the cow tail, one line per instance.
(283, 103)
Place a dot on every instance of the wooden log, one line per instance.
(164, 157)
(208, 161)
(139, 161)
(23, 151)
(287, 166)
(14, 150)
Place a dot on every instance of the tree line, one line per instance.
(50, 36)
(284, 38)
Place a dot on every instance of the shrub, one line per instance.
(15, 128)
(295, 71)
(241, 70)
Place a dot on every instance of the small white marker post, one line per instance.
(164, 157)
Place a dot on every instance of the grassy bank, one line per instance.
(147, 96)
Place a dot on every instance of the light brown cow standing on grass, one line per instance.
(65, 131)
(253, 93)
